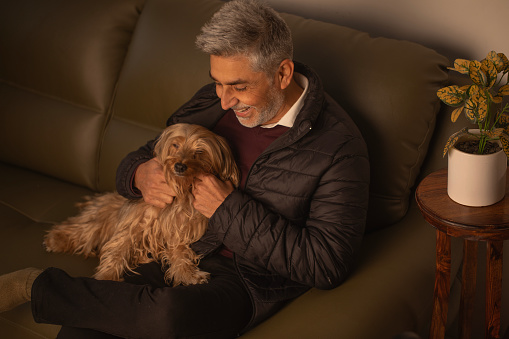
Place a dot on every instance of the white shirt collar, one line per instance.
(289, 118)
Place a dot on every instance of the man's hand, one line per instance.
(149, 179)
(209, 193)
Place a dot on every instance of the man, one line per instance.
(295, 222)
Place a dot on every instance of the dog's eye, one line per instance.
(176, 146)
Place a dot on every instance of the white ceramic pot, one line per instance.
(474, 179)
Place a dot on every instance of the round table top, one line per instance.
(476, 223)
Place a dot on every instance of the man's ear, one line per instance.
(285, 73)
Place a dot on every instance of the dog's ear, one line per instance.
(231, 171)
(164, 140)
(228, 168)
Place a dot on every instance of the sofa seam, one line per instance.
(50, 96)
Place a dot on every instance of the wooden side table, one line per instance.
(473, 224)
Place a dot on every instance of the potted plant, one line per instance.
(476, 176)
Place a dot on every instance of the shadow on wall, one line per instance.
(379, 27)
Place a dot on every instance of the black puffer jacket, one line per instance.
(300, 219)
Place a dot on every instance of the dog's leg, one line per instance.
(183, 267)
(87, 232)
(126, 250)
(115, 258)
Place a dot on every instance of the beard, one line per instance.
(265, 113)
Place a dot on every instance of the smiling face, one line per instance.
(255, 98)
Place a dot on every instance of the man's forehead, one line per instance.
(232, 70)
(233, 82)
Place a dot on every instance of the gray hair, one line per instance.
(251, 29)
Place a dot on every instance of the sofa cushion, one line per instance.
(55, 93)
(21, 246)
(37, 196)
(389, 89)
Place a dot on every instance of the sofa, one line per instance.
(84, 82)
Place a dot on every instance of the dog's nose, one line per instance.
(180, 167)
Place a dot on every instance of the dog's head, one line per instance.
(186, 150)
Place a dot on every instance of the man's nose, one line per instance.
(228, 99)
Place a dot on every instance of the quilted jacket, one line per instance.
(299, 221)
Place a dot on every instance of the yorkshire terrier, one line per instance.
(126, 233)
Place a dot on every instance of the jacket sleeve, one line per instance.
(127, 169)
(319, 253)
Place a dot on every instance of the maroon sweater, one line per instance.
(247, 144)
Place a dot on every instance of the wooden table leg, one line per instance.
(442, 286)
(494, 255)
(468, 284)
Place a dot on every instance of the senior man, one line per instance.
(295, 222)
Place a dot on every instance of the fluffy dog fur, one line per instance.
(125, 233)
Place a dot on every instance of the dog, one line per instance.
(126, 233)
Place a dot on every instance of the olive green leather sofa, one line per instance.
(84, 82)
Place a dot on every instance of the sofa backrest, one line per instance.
(59, 65)
(99, 78)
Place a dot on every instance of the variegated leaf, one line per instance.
(456, 113)
(473, 90)
(470, 114)
(504, 119)
(495, 133)
(490, 70)
(503, 90)
(453, 139)
(476, 73)
(460, 65)
(472, 104)
(451, 95)
(505, 62)
(497, 99)
(482, 108)
(505, 144)
(498, 62)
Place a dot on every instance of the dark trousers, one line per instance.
(143, 306)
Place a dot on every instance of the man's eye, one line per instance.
(240, 89)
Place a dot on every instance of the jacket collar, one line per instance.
(312, 107)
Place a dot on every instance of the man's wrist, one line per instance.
(132, 186)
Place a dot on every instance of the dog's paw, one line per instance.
(191, 278)
(108, 275)
(56, 242)
(201, 277)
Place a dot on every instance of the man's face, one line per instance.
(254, 97)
